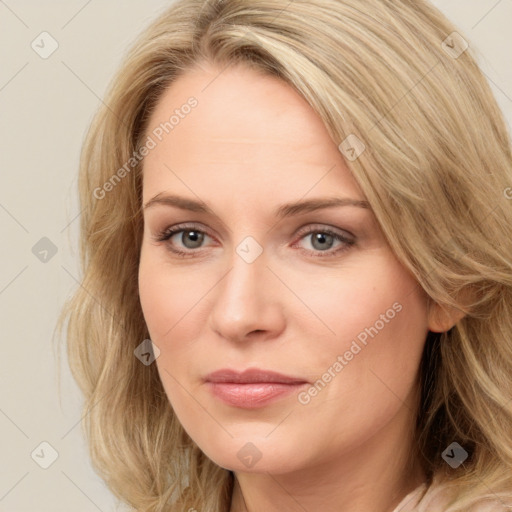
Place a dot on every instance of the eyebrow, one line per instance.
(285, 210)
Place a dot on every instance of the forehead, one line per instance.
(246, 128)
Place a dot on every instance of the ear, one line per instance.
(443, 318)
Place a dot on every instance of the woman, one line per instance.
(337, 333)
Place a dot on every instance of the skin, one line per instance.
(250, 145)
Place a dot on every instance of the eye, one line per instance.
(322, 240)
(191, 237)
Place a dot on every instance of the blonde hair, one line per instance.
(436, 171)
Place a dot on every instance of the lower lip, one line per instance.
(253, 395)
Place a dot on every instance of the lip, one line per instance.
(250, 376)
(251, 388)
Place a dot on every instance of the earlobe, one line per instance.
(443, 318)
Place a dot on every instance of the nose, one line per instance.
(247, 304)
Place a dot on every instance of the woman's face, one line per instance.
(308, 291)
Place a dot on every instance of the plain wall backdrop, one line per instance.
(47, 101)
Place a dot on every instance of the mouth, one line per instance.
(252, 388)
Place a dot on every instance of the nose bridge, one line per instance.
(248, 266)
(243, 303)
(242, 289)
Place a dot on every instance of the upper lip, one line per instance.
(251, 375)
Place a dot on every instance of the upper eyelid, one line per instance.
(320, 227)
(300, 232)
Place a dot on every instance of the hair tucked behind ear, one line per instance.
(435, 168)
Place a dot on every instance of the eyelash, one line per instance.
(167, 233)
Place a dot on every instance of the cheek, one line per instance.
(374, 328)
(380, 324)
(174, 302)
(168, 297)
(377, 300)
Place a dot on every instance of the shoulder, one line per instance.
(437, 498)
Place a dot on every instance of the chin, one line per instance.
(258, 455)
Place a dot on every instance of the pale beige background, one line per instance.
(46, 105)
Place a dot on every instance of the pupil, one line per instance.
(195, 237)
(322, 238)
